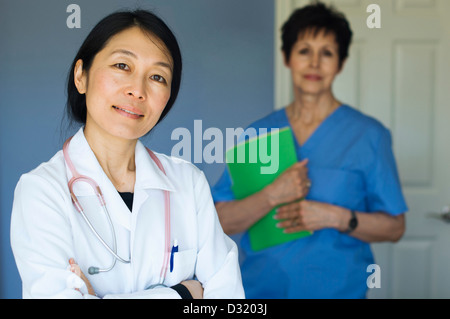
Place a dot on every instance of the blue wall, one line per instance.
(227, 47)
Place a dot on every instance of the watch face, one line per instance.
(353, 223)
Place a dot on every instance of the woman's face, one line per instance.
(127, 86)
(314, 62)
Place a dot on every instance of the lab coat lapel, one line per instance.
(148, 177)
(116, 206)
(86, 164)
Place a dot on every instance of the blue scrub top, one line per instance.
(351, 164)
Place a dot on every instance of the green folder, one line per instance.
(255, 163)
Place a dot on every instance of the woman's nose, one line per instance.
(315, 60)
(136, 94)
(136, 89)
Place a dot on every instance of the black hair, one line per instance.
(317, 17)
(98, 39)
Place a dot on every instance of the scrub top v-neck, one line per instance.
(320, 132)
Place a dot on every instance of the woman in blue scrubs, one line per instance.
(346, 172)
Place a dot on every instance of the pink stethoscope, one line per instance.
(82, 178)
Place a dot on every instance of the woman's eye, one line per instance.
(327, 53)
(121, 66)
(158, 78)
(303, 51)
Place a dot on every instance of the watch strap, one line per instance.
(353, 222)
(182, 291)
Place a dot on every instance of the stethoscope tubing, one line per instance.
(113, 250)
(77, 177)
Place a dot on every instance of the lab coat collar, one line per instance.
(148, 174)
(83, 158)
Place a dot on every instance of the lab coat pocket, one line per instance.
(183, 267)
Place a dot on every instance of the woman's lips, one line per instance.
(313, 77)
(128, 112)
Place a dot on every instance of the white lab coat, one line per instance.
(47, 230)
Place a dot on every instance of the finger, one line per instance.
(289, 211)
(304, 162)
(294, 229)
(290, 222)
(288, 207)
(291, 225)
(306, 186)
(284, 224)
(89, 287)
(303, 165)
(86, 281)
(74, 266)
(287, 215)
(300, 164)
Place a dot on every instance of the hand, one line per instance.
(194, 287)
(292, 185)
(307, 215)
(77, 271)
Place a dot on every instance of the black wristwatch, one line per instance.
(352, 224)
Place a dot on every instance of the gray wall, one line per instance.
(227, 47)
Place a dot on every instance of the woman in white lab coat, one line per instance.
(123, 81)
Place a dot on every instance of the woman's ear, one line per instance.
(80, 78)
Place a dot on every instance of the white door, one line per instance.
(400, 74)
